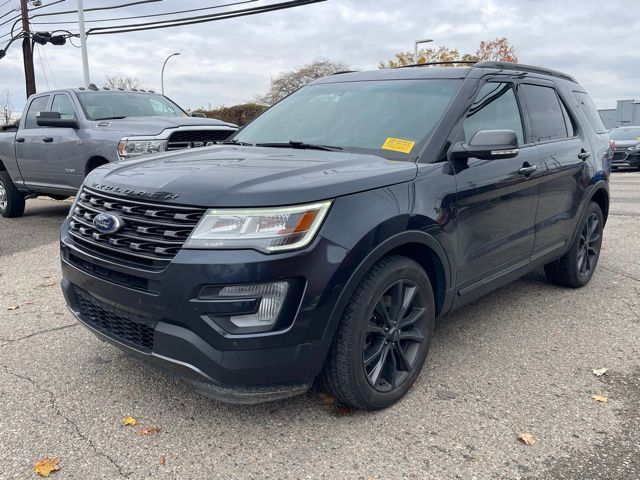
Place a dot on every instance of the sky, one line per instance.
(232, 61)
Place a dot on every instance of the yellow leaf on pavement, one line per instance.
(45, 466)
(129, 421)
(598, 397)
(526, 438)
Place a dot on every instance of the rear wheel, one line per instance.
(577, 266)
(384, 337)
(11, 200)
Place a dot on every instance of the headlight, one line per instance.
(135, 148)
(635, 147)
(264, 229)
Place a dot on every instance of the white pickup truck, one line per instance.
(64, 134)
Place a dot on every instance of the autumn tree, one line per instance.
(499, 49)
(6, 107)
(289, 82)
(126, 82)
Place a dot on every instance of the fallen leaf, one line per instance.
(13, 307)
(598, 397)
(327, 399)
(45, 466)
(163, 460)
(148, 431)
(600, 372)
(129, 421)
(342, 410)
(526, 438)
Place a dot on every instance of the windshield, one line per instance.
(110, 105)
(625, 134)
(391, 118)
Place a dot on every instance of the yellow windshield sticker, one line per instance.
(398, 145)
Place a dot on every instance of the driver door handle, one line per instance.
(20, 140)
(526, 171)
(583, 155)
(47, 139)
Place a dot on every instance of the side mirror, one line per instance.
(198, 114)
(488, 145)
(54, 119)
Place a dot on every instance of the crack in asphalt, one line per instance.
(8, 341)
(625, 275)
(58, 411)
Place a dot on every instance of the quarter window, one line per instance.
(38, 105)
(495, 108)
(590, 110)
(545, 113)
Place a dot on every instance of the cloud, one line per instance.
(231, 61)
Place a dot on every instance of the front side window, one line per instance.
(38, 105)
(545, 113)
(113, 105)
(62, 104)
(389, 118)
(494, 108)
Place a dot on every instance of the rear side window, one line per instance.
(590, 110)
(545, 113)
(37, 105)
(494, 108)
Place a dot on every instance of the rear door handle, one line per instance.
(47, 139)
(526, 171)
(20, 140)
(584, 155)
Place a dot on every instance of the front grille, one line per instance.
(124, 279)
(196, 138)
(151, 236)
(115, 323)
(619, 156)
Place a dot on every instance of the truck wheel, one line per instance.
(575, 268)
(384, 336)
(11, 200)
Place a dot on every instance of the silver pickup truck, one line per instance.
(64, 134)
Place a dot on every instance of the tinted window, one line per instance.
(110, 105)
(545, 113)
(590, 110)
(391, 118)
(495, 108)
(37, 105)
(62, 104)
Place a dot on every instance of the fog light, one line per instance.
(272, 296)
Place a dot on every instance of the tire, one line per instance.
(11, 200)
(575, 268)
(401, 351)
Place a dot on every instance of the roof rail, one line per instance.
(428, 64)
(525, 68)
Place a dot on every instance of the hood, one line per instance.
(150, 126)
(624, 144)
(230, 176)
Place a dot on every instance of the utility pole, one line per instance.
(27, 50)
(83, 44)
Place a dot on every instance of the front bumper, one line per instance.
(157, 315)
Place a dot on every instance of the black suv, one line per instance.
(325, 238)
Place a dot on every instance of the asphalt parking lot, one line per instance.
(519, 360)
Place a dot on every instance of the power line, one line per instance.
(94, 9)
(200, 19)
(44, 71)
(164, 14)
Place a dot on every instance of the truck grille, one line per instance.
(114, 323)
(151, 236)
(196, 138)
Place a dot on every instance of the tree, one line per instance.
(127, 82)
(289, 82)
(499, 49)
(6, 107)
(238, 114)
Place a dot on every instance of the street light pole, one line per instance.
(164, 65)
(83, 44)
(415, 52)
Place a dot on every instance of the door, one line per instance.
(64, 155)
(564, 151)
(30, 142)
(497, 199)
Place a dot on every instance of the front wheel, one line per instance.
(577, 266)
(11, 200)
(384, 336)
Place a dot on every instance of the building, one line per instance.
(627, 112)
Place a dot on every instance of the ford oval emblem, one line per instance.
(108, 222)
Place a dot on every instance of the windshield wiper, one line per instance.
(236, 142)
(300, 145)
